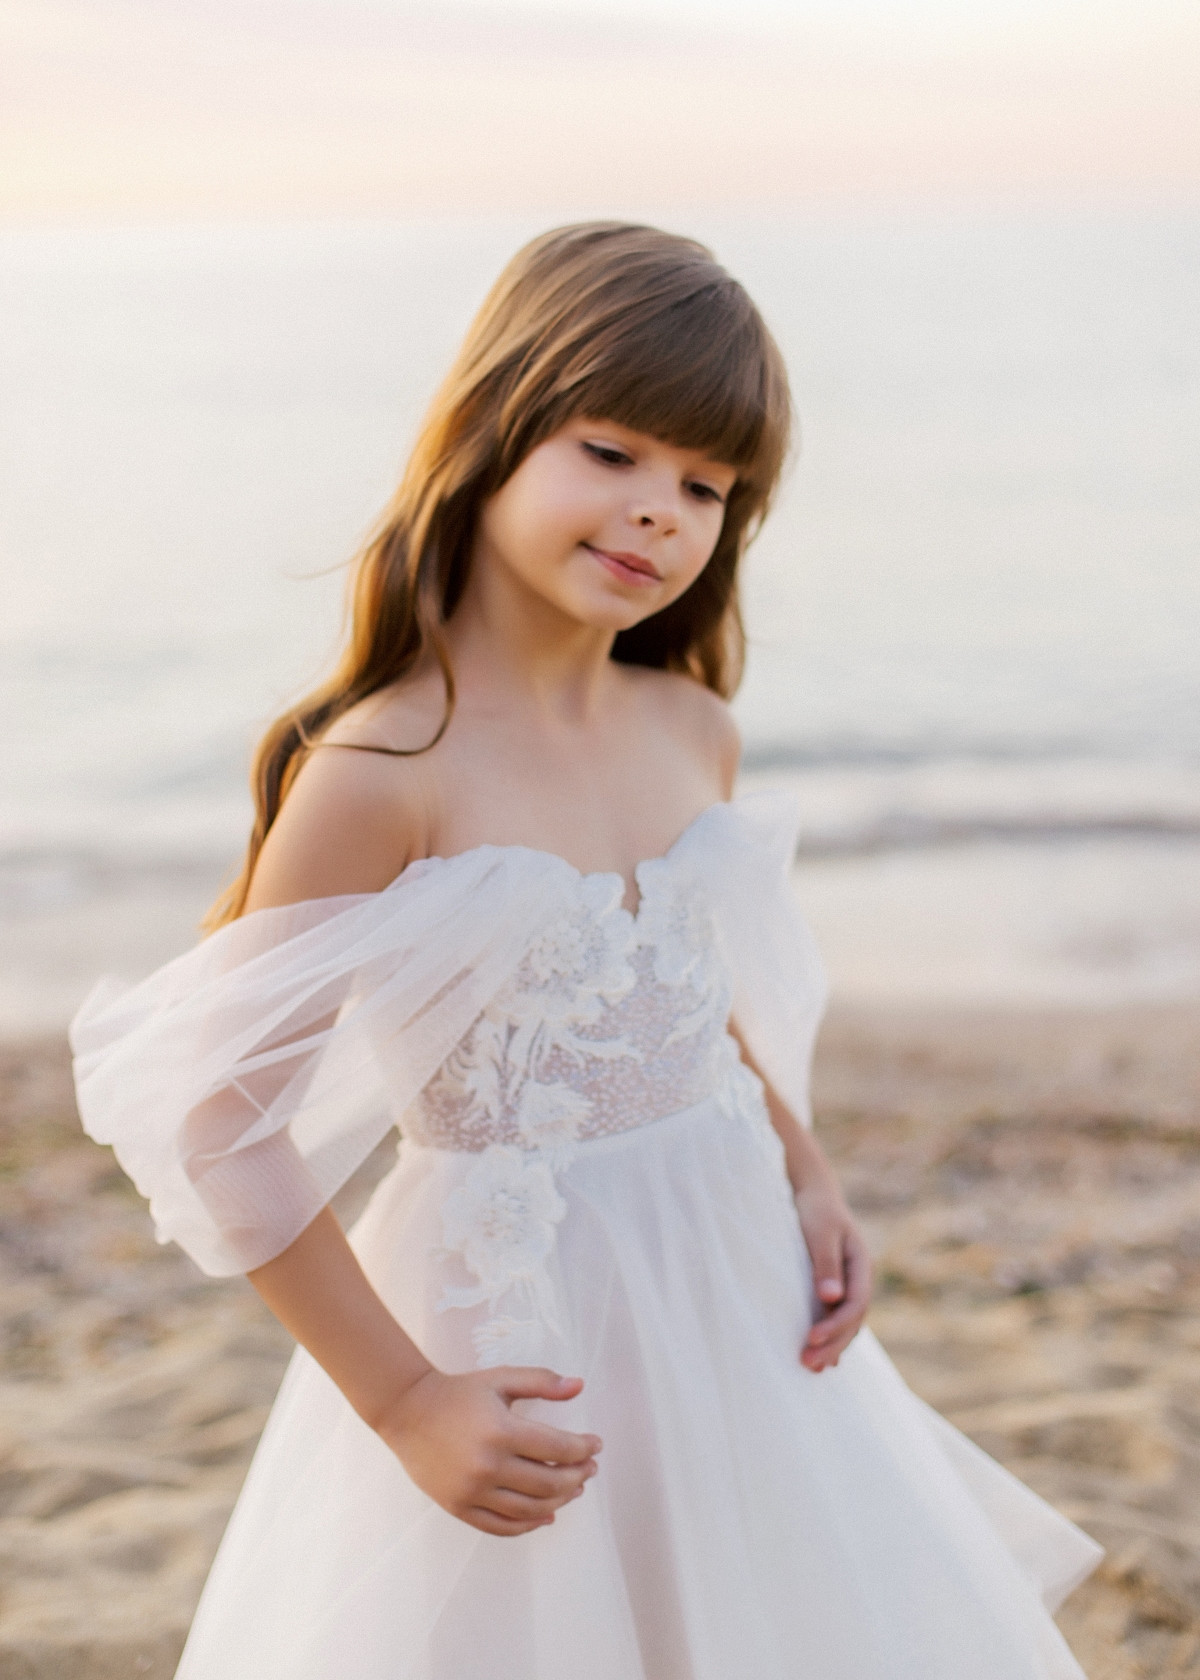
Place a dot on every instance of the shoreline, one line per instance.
(1029, 1180)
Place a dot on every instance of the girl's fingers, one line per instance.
(828, 1353)
(534, 1382)
(518, 1507)
(544, 1481)
(827, 1336)
(837, 1344)
(858, 1275)
(551, 1446)
(828, 1266)
(524, 1511)
(490, 1523)
(831, 1335)
(834, 1324)
(852, 1308)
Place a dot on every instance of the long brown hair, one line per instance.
(607, 320)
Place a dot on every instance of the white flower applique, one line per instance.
(476, 1070)
(579, 965)
(675, 923)
(672, 923)
(514, 1070)
(501, 1220)
(575, 969)
(549, 1117)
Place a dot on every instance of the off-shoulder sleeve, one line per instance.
(779, 984)
(242, 1084)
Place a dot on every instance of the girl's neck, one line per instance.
(508, 642)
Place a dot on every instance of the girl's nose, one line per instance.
(658, 509)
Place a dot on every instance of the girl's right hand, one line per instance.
(462, 1444)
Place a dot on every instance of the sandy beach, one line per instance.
(1031, 1186)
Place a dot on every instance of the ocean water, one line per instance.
(974, 615)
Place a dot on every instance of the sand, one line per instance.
(1031, 1186)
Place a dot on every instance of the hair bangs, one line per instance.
(700, 373)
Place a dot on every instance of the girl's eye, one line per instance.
(705, 492)
(611, 457)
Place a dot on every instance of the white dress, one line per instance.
(587, 1179)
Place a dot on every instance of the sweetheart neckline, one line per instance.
(634, 914)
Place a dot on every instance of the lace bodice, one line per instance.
(613, 1018)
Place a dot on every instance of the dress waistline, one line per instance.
(674, 1120)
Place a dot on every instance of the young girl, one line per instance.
(584, 1394)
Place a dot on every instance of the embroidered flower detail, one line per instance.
(579, 964)
(505, 1340)
(531, 1072)
(675, 923)
(476, 1069)
(501, 1220)
(549, 1115)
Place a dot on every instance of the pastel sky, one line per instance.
(144, 109)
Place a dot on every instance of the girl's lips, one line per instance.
(630, 568)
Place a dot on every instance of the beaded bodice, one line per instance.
(612, 1019)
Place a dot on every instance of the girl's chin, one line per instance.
(608, 609)
(611, 615)
(614, 600)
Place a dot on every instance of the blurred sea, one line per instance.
(974, 615)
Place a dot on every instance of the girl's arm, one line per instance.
(841, 1263)
(342, 830)
(457, 1436)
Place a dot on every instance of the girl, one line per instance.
(582, 1394)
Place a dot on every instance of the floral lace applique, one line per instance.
(550, 1115)
(605, 1002)
(502, 1220)
(575, 970)
(674, 922)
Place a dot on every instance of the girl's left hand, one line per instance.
(841, 1273)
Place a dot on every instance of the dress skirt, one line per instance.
(751, 1520)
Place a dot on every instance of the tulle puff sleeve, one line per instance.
(242, 1084)
(779, 984)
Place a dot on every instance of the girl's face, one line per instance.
(606, 524)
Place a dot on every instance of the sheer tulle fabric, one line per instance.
(750, 1517)
(242, 1084)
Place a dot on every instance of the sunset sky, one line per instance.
(118, 110)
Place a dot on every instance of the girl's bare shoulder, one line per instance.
(697, 721)
(355, 816)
